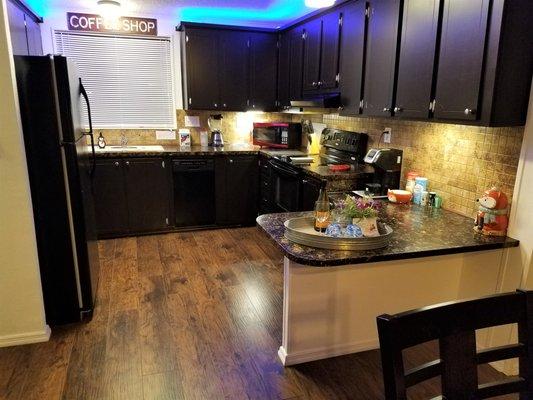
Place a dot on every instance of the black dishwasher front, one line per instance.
(194, 192)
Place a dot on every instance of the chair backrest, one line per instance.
(454, 324)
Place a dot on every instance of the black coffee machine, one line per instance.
(387, 165)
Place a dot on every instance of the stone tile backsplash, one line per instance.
(460, 161)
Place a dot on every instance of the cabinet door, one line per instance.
(147, 188)
(202, 69)
(35, 44)
(310, 192)
(111, 205)
(417, 58)
(312, 44)
(284, 63)
(264, 70)
(329, 61)
(17, 29)
(464, 25)
(296, 64)
(237, 190)
(352, 56)
(234, 70)
(381, 57)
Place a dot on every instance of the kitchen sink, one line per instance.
(135, 148)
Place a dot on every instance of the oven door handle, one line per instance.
(284, 171)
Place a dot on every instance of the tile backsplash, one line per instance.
(460, 161)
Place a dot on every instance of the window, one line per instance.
(128, 78)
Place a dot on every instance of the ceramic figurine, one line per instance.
(492, 219)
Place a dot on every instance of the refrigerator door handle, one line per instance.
(90, 133)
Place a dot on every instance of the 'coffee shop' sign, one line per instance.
(97, 23)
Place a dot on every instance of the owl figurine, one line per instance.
(491, 218)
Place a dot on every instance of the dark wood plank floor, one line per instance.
(189, 316)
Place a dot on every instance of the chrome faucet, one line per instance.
(123, 140)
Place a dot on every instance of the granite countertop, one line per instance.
(418, 232)
(173, 151)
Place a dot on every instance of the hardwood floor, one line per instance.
(193, 315)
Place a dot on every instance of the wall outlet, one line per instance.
(387, 134)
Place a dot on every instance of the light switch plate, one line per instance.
(387, 133)
(165, 135)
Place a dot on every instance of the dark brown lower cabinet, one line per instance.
(131, 196)
(236, 188)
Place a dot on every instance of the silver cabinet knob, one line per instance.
(224, 105)
(215, 105)
(398, 109)
(469, 111)
(231, 161)
(315, 84)
(386, 109)
(341, 108)
(305, 181)
(320, 83)
(127, 163)
(117, 163)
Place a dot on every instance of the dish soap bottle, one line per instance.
(101, 141)
(322, 210)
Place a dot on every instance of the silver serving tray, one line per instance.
(301, 230)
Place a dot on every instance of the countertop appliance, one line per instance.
(60, 166)
(387, 165)
(194, 192)
(215, 124)
(277, 135)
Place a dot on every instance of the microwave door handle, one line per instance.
(90, 133)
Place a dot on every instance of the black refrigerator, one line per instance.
(56, 122)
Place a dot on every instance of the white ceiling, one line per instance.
(263, 12)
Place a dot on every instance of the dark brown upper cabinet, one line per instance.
(290, 74)
(263, 71)
(25, 30)
(321, 53)
(200, 67)
(382, 43)
(464, 27)
(352, 51)
(233, 74)
(312, 44)
(417, 58)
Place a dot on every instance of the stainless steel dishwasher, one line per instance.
(194, 192)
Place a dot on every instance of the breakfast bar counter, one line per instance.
(331, 298)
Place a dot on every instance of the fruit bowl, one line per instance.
(399, 196)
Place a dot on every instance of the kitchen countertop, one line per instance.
(314, 169)
(418, 232)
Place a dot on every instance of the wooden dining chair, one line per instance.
(454, 324)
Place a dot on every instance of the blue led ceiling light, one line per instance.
(278, 12)
(38, 7)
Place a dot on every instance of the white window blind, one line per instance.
(128, 78)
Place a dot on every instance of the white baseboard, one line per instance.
(25, 338)
(325, 352)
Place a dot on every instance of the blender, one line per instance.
(215, 124)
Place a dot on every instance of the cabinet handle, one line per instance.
(117, 164)
(224, 105)
(469, 111)
(386, 109)
(341, 108)
(215, 105)
(304, 181)
(398, 109)
(231, 161)
(315, 84)
(127, 163)
(320, 83)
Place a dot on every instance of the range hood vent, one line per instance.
(328, 100)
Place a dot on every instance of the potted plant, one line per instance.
(363, 212)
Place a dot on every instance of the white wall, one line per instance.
(56, 19)
(22, 317)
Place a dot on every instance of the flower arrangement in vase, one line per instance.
(363, 212)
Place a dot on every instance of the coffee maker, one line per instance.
(215, 124)
(387, 165)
